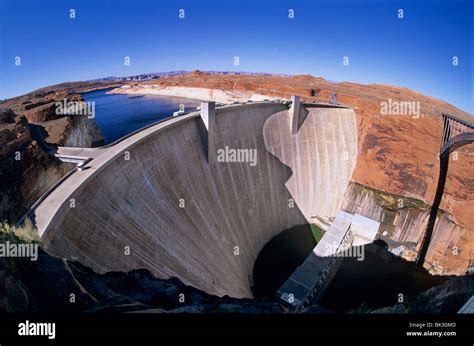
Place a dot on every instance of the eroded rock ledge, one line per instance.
(139, 291)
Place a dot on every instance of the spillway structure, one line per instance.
(177, 198)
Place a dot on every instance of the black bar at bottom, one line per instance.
(292, 329)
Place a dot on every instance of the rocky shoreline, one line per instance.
(204, 94)
(26, 170)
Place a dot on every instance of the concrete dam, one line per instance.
(163, 199)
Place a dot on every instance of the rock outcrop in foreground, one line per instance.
(447, 298)
(52, 284)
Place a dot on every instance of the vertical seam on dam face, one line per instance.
(137, 202)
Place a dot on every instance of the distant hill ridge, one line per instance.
(157, 75)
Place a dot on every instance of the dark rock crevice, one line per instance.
(51, 284)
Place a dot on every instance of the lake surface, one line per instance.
(117, 115)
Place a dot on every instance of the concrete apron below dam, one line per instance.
(161, 199)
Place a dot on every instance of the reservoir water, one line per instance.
(117, 115)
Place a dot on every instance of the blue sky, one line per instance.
(414, 52)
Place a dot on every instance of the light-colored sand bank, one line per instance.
(204, 94)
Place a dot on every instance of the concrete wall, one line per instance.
(135, 203)
(322, 155)
(403, 222)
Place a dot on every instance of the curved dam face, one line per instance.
(159, 200)
(321, 155)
